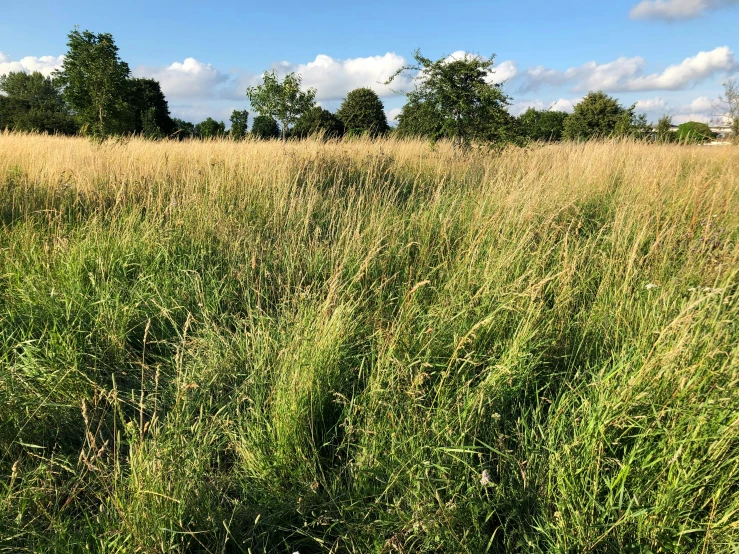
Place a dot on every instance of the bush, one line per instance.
(599, 116)
(210, 128)
(694, 132)
(265, 128)
(318, 121)
(363, 112)
(542, 125)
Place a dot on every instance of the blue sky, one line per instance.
(670, 56)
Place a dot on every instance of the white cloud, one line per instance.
(561, 105)
(675, 9)
(687, 73)
(500, 73)
(189, 79)
(45, 64)
(392, 114)
(333, 78)
(700, 109)
(627, 74)
(565, 105)
(504, 71)
(656, 104)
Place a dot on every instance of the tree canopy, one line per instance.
(283, 101)
(148, 110)
(460, 96)
(599, 116)
(542, 125)
(318, 120)
(239, 124)
(94, 81)
(362, 112)
(265, 128)
(32, 103)
(694, 131)
(210, 128)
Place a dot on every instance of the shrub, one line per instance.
(265, 128)
(694, 132)
(363, 112)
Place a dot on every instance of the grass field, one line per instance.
(368, 347)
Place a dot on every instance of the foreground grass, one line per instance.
(368, 347)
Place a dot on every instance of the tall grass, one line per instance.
(368, 347)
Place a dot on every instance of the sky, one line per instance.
(667, 56)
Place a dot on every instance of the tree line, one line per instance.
(94, 93)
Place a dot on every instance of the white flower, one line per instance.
(651, 286)
(486, 479)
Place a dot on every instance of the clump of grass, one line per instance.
(368, 346)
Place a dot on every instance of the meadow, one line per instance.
(368, 347)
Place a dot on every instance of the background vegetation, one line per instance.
(94, 94)
(367, 346)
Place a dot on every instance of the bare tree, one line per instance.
(726, 108)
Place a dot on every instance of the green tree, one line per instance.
(664, 129)
(542, 125)
(283, 101)
(239, 124)
(632, 124)
(265, 128)
(469, 107)
(32, 102)
(94, 81)
(420, 120)
(599, 115)
(694, 132)
(362, 112)
(148, 110)
(318, 121)
(183, 129)
(210, 128)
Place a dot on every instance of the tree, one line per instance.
(664, 129)
(93, 80)
(239, 124)
(599, 115)
(362, 112)
(33, 103)
(282, 101)
(318, 121)
(694, 131)
(210, 128)
(420, 120)
(468, 106)
(265, 128)
(183, 129)
(727, 107)
(542, 125)
(148, 110)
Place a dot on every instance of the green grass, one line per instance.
(223, 347)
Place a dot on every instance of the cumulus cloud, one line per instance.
(333, 78)
(627, 74)
(45, 64)
(188, 79)
(676, 9)
(392, 115)
(560, 105)
(500, 73)
(700, 109)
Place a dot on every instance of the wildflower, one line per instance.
(486, 479)
(651, 286)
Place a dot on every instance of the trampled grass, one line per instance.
(368, 347)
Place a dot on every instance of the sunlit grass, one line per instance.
(368, 347)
